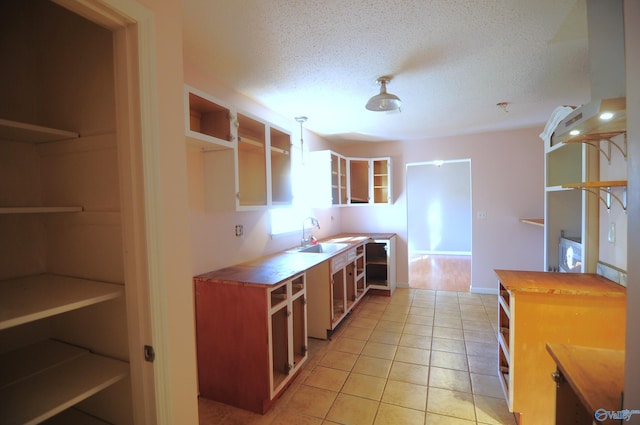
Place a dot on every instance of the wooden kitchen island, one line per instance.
(540, 308)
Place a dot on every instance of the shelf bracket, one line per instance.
(608, 137)
(606, 194)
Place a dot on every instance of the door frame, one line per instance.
(440, 163)
(133, 27)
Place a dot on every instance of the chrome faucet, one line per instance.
(309, 238)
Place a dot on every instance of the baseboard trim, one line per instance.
(488, 291)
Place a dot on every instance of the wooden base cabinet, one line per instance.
(335, 287)
(251, 340)
(540, 308)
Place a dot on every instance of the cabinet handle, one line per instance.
(557, 378)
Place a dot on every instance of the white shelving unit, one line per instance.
(72, 274)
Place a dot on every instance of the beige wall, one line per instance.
(181, 382)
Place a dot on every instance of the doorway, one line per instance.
(439, 224)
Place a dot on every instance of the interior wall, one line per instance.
(507, 183)
(613, 250)
(632, 59)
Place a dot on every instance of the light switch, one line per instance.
(611, 237)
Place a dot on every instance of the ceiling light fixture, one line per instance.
(384, 101)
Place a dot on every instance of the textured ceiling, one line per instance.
(452, 61)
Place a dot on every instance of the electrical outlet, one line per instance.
(482, 215)
(239, 230)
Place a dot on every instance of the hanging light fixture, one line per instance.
(384, 101)
(301, 120)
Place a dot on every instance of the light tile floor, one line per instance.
(418, 357)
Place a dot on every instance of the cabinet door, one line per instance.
(280, 365)
(335, 179)
(338, 305)
(251, 166)
(381, 180)
(299, 330)
(343, 181)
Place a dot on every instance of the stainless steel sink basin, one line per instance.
(321, 247)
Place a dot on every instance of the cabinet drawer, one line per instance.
(351, 255)
(338, 262)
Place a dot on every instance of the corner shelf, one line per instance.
(596, 187)
(31, 298)
(30, 133)
(29, 376)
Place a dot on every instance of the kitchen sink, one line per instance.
(321, 247)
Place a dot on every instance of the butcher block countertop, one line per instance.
(559, 283)
(273, 269)
(595, 374)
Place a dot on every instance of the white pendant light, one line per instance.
(384, 101)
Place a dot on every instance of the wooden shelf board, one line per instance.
(596, 184)
(73, 417)
(54, 386)
(207, 143)
(534, 221)
(23, 132)
(250, 144)
(30, 298)
(595, 137)
(40, 210)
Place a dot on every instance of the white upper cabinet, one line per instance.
(247, 159)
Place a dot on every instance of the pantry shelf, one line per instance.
(30, 298)
(43, 379)
(40, 210)
(23, 132)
